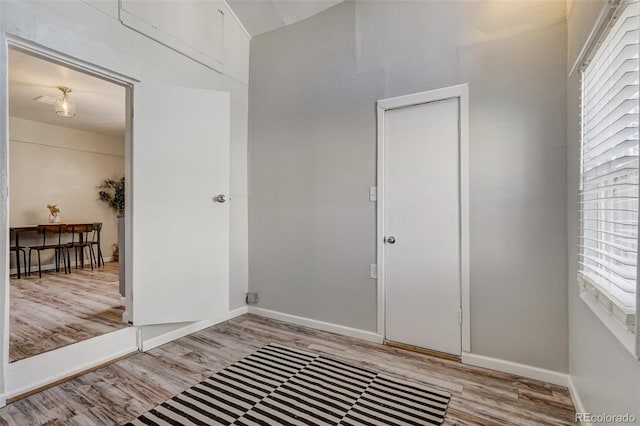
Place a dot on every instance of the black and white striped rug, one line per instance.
(278, 385)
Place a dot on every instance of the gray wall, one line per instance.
(605, 374)
(312, 142)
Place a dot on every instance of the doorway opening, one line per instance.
(67, 162)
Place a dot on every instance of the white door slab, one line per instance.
(422, 213)
(180, 260)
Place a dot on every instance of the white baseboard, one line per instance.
(35, 372)
(52, 266)
(239, 311)
(40, 370)
(528, 371)
(190, 328)
(319, 325)
(172, 335)
(577, 401)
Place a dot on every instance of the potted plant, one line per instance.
(112, 193)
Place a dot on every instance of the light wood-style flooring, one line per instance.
(121, 391)
(58, 310)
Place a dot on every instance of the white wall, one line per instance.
(91, 31)
(605, 374)
(312, 155)
(63, 166)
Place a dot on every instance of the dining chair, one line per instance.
(17, 250)
(80, 240)
(53, 232)
(95, 241)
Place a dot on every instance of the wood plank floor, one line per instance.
(58, 310)
(121, 391)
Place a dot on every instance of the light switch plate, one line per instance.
(373, 193)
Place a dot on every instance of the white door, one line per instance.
(422, 215)
(180, 261)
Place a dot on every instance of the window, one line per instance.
(608, 245)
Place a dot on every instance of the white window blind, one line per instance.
(608, 246)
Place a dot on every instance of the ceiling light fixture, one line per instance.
(65, 106)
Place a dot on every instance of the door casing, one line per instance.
(32, 373)
(461, 92)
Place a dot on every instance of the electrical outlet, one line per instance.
(252, 298)
(373, 271)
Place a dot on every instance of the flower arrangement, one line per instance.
(54, 213)
(112, 193)
(53, 209)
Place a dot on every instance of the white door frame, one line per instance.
(462, 93)
(26, 375)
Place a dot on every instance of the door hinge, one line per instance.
(460, 316)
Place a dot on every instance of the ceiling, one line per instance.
(261, 16)
(100, 105)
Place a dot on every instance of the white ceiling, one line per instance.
(100, 105)
(261, 16)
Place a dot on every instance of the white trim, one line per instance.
(4, 206)
(380, 207)
(244, 30)
(80, 65)
(465, 247)
(536, 373)
(622, 334)
(190, 328)
(528, 371)
(43, 369)
(35, 372)
(575, 397)
(603, 18)
(128, 209)
(615, 316)
(462, 93)
(133, 22)
(51, 55)
(238, 311)
(318, 325)
(424, 97)
(154, 342)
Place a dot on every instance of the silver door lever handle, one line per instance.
(220, 198)
(390, 240)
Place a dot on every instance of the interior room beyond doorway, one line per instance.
(66, 201)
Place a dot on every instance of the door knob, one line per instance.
(391, 240)
(220, 198)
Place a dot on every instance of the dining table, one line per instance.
(17, 230)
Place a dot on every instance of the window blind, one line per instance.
(608, 245)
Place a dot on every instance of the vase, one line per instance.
(54, 218)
